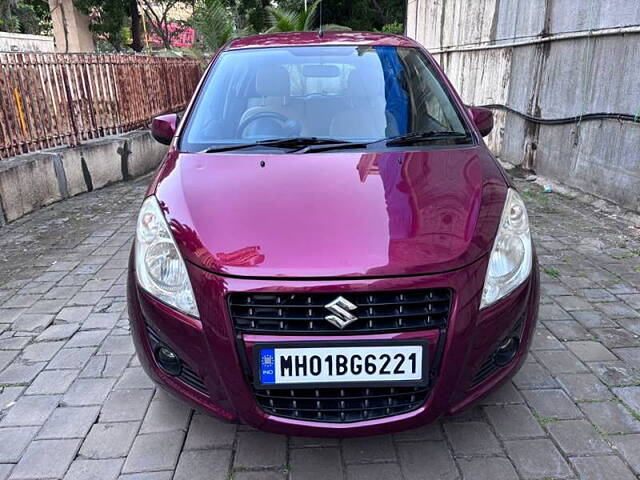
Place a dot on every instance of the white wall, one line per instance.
(18, 42)
(549, 59)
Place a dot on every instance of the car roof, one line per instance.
(292, 39)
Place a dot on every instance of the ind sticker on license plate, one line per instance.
(340, 364)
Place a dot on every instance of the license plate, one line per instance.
(390, 363)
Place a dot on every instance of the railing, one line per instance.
(54, 99)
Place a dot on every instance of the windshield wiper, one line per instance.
(290, 142)
(432, 135)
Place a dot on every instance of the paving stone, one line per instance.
(166, 414)
(109, 440)
(206, 432)
(310, 442)
(577, 437)
(513, 421)
(260, 475)
(46, 306)
(259, 449)
(106, 366)
(88, 338)
(100, 321)
(46, 459)
(94, 469)
(630, 396)
(596, 468)
(566, 330)
(30, 410)
(117, 344)
(378, 471)
(88, 391)
(71, 358)
(315, 463)
(431, 431)
(552, 312)
(611, 417)
(615, 373)
(368, 449)
(73, 314)
(591, 351)
(440, 462)
(6, 357)
(32, 322)
(20, 373)
(560, 361)
(617, 310)
(126, 405)
(472, 438)
(543, 339)
(629, 448)
(5, 470)
(69, 422)
(203, 465)
(58, 332)
(552, 404)
(40, 352)
(537, 458)
(631, 356)
(134, 378)
(9, 395)
(13, 441)
(85, 298)
(533, 375)
(491, 468)
(584, 387)
(50, 382)
(504, 395)
(155, 451)
(14, 343)
(593, 319)
(573, 302)
(616, 337)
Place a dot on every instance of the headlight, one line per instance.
(160, 268)
(511, 256)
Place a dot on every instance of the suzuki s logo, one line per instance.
(342, 316)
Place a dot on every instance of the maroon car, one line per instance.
(329, 248)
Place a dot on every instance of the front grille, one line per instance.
(341, 405)
(187, 374)
(305, 313)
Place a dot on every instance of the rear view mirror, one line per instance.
(163, 128)
(483, 119)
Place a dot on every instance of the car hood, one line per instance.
(329, 215)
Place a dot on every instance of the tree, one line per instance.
(109, 19)
(214, 23)
(28, 16)
(287, 20)
(157, 15)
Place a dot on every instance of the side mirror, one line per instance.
(483, 119)
(163, 128)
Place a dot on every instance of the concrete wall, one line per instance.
(548, 59)
(18, 42)
(32, 181)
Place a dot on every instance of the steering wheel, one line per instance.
(261, 116)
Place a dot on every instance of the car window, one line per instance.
(364, 93)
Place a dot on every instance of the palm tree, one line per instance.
(215, 24)
(285, 20)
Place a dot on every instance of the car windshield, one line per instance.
(344, 93)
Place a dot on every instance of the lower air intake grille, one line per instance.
(341, 405)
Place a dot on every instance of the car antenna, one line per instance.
(320, 31)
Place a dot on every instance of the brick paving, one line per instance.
(75, 403)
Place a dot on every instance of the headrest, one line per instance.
(358, 88)
(273, 81)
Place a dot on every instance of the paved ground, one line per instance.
(76, 405)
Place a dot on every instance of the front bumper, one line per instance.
(218, 357)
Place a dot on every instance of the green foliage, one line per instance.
(214, 23)
(285, 20)
(28, 16)
(108, 20)
(394, 27)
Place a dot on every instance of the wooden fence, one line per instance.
(62, 99)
